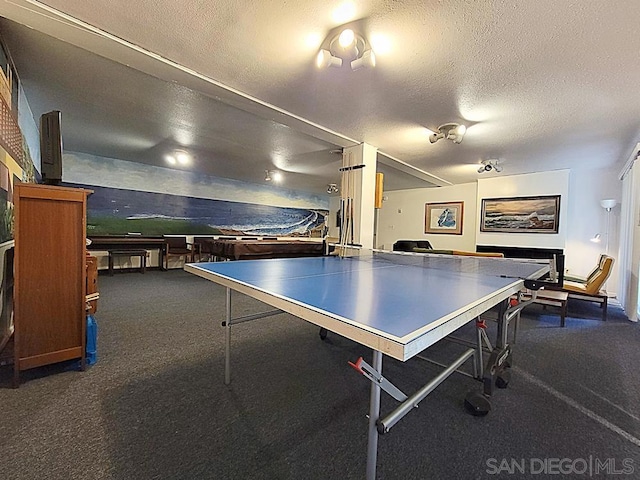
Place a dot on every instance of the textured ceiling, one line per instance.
(540, 85)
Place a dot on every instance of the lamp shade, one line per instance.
(608, 203)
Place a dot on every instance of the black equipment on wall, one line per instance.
(51, 148)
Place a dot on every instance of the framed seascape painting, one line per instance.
(521, 214)
(443, 218)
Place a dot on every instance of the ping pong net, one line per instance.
(487, 266)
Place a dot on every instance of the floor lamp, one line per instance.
(608, 204)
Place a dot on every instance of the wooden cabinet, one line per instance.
(50, 275)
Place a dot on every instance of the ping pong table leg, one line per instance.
(227, 340)
(374, 414)
(479, 369)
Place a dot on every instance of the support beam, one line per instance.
(358, 187)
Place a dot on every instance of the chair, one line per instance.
(202, 246)
(584, 280)
(591, 288)
(176, 247)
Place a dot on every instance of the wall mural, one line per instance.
(131, 197)
(113, 211)
(10, 172)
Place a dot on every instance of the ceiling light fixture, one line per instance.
(488, 165)
(451, 131)
(274, 175)
(345, 45)
(332, 188)
(178, 157)
(346, 38)
(182, 157)
(325, 59)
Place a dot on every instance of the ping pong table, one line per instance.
(398, 304)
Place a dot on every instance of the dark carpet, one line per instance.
(155, 405)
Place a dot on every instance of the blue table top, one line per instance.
(394, 295)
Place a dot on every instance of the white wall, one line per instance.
(586, 217)
(334, 206)
(402, 217)
(581, 215)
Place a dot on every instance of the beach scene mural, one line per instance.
(155, 201)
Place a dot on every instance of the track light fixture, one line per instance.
(345, 45)
(332, 188)
(325, 59)
(488, 165)
(451, 131)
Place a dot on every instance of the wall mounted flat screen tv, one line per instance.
(51, 148)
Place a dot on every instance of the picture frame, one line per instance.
(443, 218)
(536, 214)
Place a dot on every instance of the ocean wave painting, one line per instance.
(521, 214)
(113, 211)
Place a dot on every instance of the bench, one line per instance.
(555, 298)
(143, 254)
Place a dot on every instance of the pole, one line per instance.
(608, 228)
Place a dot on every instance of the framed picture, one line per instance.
(521, 214)
(443, 218)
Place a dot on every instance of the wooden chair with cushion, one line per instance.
(591, 289)
(202, 247)
(584, 280)
(176, 247)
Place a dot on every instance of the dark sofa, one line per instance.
(409, 245)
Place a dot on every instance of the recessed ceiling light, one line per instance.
(171, 160)
(277, 177)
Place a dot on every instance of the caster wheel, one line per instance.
(323, 333)
(477, 404)
(503, 379)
